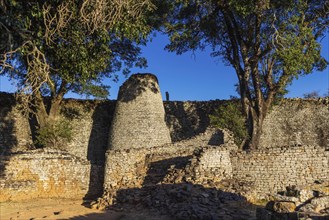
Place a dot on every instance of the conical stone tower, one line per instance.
(139, 118)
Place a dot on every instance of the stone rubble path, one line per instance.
(185, 201)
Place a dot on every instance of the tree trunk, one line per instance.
(40, 111)
(255, 121)
(256, 130)
(44, 117)
(54, 108)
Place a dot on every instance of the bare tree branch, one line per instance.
(37, 75)
(55, 23)
(104, 14)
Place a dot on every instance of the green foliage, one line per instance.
(230, 116)
(55, 135)
(268, 43)
(79, 52)
(51, 48)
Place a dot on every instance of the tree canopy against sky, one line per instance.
(53, 47)
(268, 43)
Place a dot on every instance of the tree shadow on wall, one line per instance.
(217, 138)
(97, 146)
(166, 191)
(185, 124)
(160, 169)
(158, 200)
(8, 139)
(135, 86)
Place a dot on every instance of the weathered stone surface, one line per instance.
(306, 194)
(184, 201)
(320, 203)
(293, 122)
(48, 174)
(209, 158)
(272, 170)
(15, 134)
(297, 122)
(139, 118)
(169, 163)
(281, 206)
(264, 214)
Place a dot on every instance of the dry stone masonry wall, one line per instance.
(15, 133)
(272, 170)
(297, 122)
(139, 119)
(256, 175)
(48, 174)
(198, 155)
(213, 165)
(128, 167)
(294, 122)
(91, 122)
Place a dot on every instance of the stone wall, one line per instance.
(297, 122)
(15, 133)
(190, 118)
(301, 124)
(212, 164)
(90, 120)
(255, 174)
(294, 122)
(48, 174)
(54, 173)
(272, 170)
(129, 168)
(139, 118)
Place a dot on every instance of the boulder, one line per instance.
(281, 206)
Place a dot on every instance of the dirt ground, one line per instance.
(65, 209)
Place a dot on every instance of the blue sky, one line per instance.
(197, 76)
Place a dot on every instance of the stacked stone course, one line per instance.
(139, 147)
(293, 122)
(47, 174)
(139, 118)
(297, 122)
(128, 168)
(14, 128)
(214, 165)
(272, 170)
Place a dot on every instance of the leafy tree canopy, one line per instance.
(52, 47)
(268, 43)
(66, 43)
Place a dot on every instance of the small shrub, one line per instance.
(55, 135)
(230, 116)
(311, 95)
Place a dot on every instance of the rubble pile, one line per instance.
(311, 202)
(184, 201)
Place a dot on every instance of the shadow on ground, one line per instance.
(178, 201)
(183, 200)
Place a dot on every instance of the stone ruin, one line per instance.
(196, 178)
(200, 175)
(139, 117)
